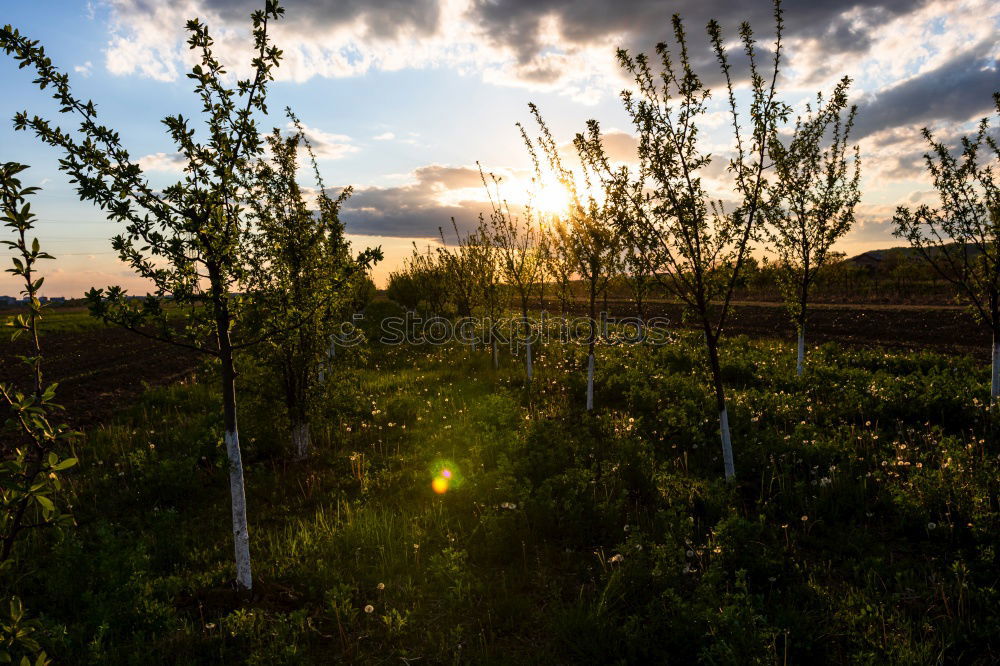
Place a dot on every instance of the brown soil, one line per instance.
(98, 370)
(947, 329)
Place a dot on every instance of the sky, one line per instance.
(403, 98)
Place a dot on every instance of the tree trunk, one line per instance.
(527, 336)
(590, 382)
(995, 383)
(801, 318)
(592, 340)
(801, 351)
(301, 439)
(241, 534)
(720, 400)
(496, 359)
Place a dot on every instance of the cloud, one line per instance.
(84, 70)
(620, 146)
(562, 46)
(417, 209)
(326, 146)
(377, 19)
(384, 136)
(162, 162)
(531, 28)
(409, 211)
(958, 90)
(446, 177)
(318, 37)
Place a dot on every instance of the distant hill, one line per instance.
(873, 259)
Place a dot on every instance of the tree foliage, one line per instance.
(815, 188)
(191, 241)
(695, 244)
(960, 239)
(35, 455)
(302, 278)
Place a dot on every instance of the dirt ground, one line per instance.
(98, 369)
(949, 329)
(103, 368)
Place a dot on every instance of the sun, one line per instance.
(552, 198)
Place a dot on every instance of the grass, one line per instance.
(862, 528)
(60, 320)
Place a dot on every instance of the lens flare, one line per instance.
(445, 476)
(440, 485)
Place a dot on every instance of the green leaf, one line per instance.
(65, 464)
(47, 505)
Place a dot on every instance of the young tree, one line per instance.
(190, 240)
(301, 272)
(543, 251)
(593, 238)
(31, 461)
(516, 241)
(460, 271)
(696, 245)
(33, 457)
(561, 264)
(816, 188)
(483, 261)
(421, 282)
(961, 238)
(636, 274)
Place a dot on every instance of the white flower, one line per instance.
(369, 609)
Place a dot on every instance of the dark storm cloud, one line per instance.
(381, 18)
(958, 90)
(517, 23)
(405, 211)
(413, 210)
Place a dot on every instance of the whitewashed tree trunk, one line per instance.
(727, 444)
(301, 440)
(241, 534)
(590, 382)
(527, 359)
(995, 383)
(802, 351)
